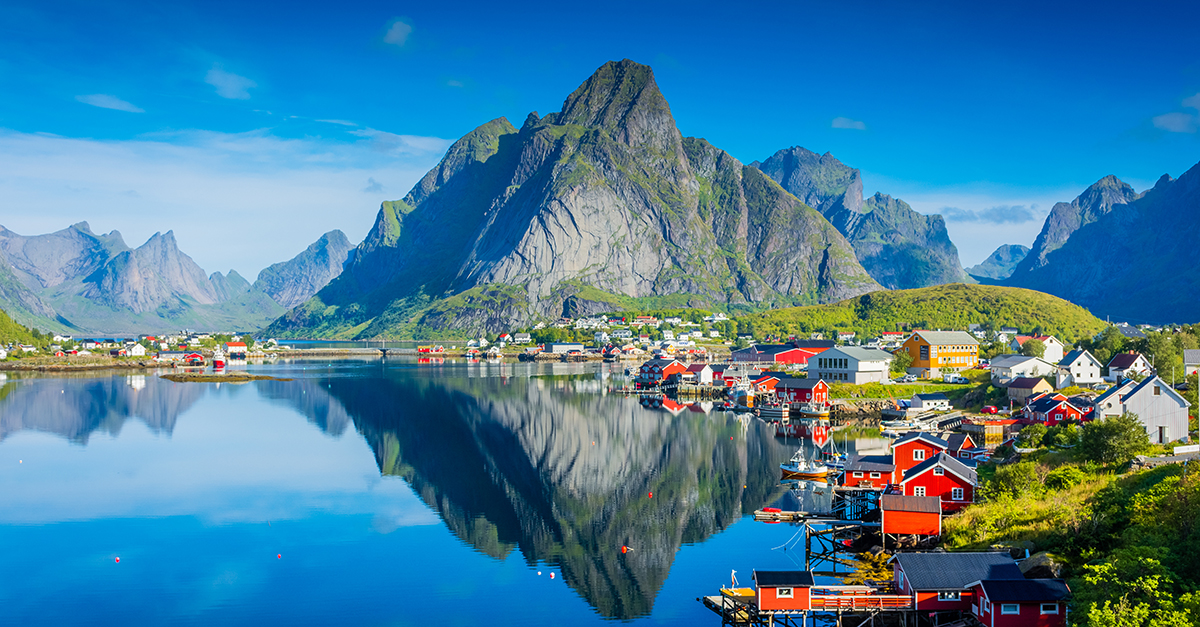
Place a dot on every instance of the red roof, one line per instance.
(243, 344)
(697, 367)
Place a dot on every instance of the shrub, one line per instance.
(1064, 477)
(1013, 481)
(1113, 440)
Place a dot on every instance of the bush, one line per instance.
(1013, 481)
(1031, 436)
(1114, 440)
(1064, 477)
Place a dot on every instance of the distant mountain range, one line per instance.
(1000, 264)
(1122, 254)
(76, 280)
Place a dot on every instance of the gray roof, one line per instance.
(862, 354)
(1025, 590)
(776, 578)
(870, 463)
(1074, 356)
(901, 503)
(1008, 361)
(954, 571)
(1191, 356)
(944, 338)
(932, 396)
(952, 464)
(1026, 383)
(920, 435)
(1130, 331)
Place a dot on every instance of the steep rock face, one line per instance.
(294, 281)
(1001, 263)
(228, 287)
(43, 261)
(154, 274)
(899, 247)
(1067, 218)
(606, 196)
(1132, 256)
(19, 301)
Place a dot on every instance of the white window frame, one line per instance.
(938, 472)
(858, 474)
(876, 475)
(957, 494)
(949, 595)
(919, 454)
(1053, 608)
(1006, 609)
(918, 490)
(784, 593)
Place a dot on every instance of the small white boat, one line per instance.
(803, 469)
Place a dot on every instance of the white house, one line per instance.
(850, 364)
(1054, 348)
(1191, 361)
(27, 348)
(137, 350)
(1005, 368)
(703, 373)
(521, 338)
(1109, 403)
(601, 337)
(3, 354)
(1124, 365)
(1080, 368)
(1161, 410)
(928, 402)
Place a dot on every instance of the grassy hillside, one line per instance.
(951, 306)
(10, 331)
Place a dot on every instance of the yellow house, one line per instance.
(937, 352)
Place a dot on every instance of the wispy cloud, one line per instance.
(228, 84)
(105, 101)
(1180, 121)
(403, 144)
(454, 83)
(200, 182)
(373, 186)
(1000, 214)
(398, 32)
(338, 122)
(857, 125)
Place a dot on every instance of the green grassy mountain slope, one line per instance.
(951, 306)
(605, 194)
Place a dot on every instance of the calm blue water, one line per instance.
(373, 493)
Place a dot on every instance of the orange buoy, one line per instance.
(624, 549)
(651, 495)
(279, 556)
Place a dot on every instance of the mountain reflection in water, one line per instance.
(548, 466)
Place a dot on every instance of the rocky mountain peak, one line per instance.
(622, 98)
(1097, 200)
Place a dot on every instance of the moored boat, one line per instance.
(800, 468)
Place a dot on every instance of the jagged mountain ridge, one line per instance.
(603, 199)
(898, 246)
(1125, 255)
(294, 281)
(74, 279)
(1001, 263)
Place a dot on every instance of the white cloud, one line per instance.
(266, 196)
(1176, 122)
(453, 83)
(857, 125)
(397, 34)
(229, 85)
(1000, 214)
(338, 122)
(402, 144)
(105, 101)
(1193, 102)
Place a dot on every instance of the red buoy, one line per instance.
(624, 549)
(279, 556)
(118, 560)
(651, 495)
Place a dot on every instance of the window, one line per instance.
(938, 472)
(956, 494)
(858, 475)
(918, 454)
(1157, 391)
(952, 595)
(875, 475)
(783, 593)
(1049, 608)
(919, 491)
(1010, 608)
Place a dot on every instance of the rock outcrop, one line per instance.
(294, 281)
(602, 201)
(899, 247)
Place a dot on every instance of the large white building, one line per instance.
(850, 364)
(1005, 368)
(1161, 410)
(1080, 368)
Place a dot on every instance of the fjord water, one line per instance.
(374, 493)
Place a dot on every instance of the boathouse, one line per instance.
(914, 448)
(869, 471)
(910, 515)
(943, 477)
(654, 372)
(942, 582)
(786, 590)
(1020, 602)
(797, 390)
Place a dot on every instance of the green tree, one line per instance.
(1033, 348)
(1064, 477)
(1108, 344)
(1012, 481)
(901, 360)
(1031, 436)
(1114, 440)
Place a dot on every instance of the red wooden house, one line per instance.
(941, 582)
(1052, 409)
(795, 390)
(910, 515)
(654, 372)
(869, 471)
(944, 477)
(961, 445)
(915, 448)
(783, 590)
(1020, 602)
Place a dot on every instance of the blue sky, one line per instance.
(252, 129)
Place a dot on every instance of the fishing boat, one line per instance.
(218, 359)
(800, 468)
